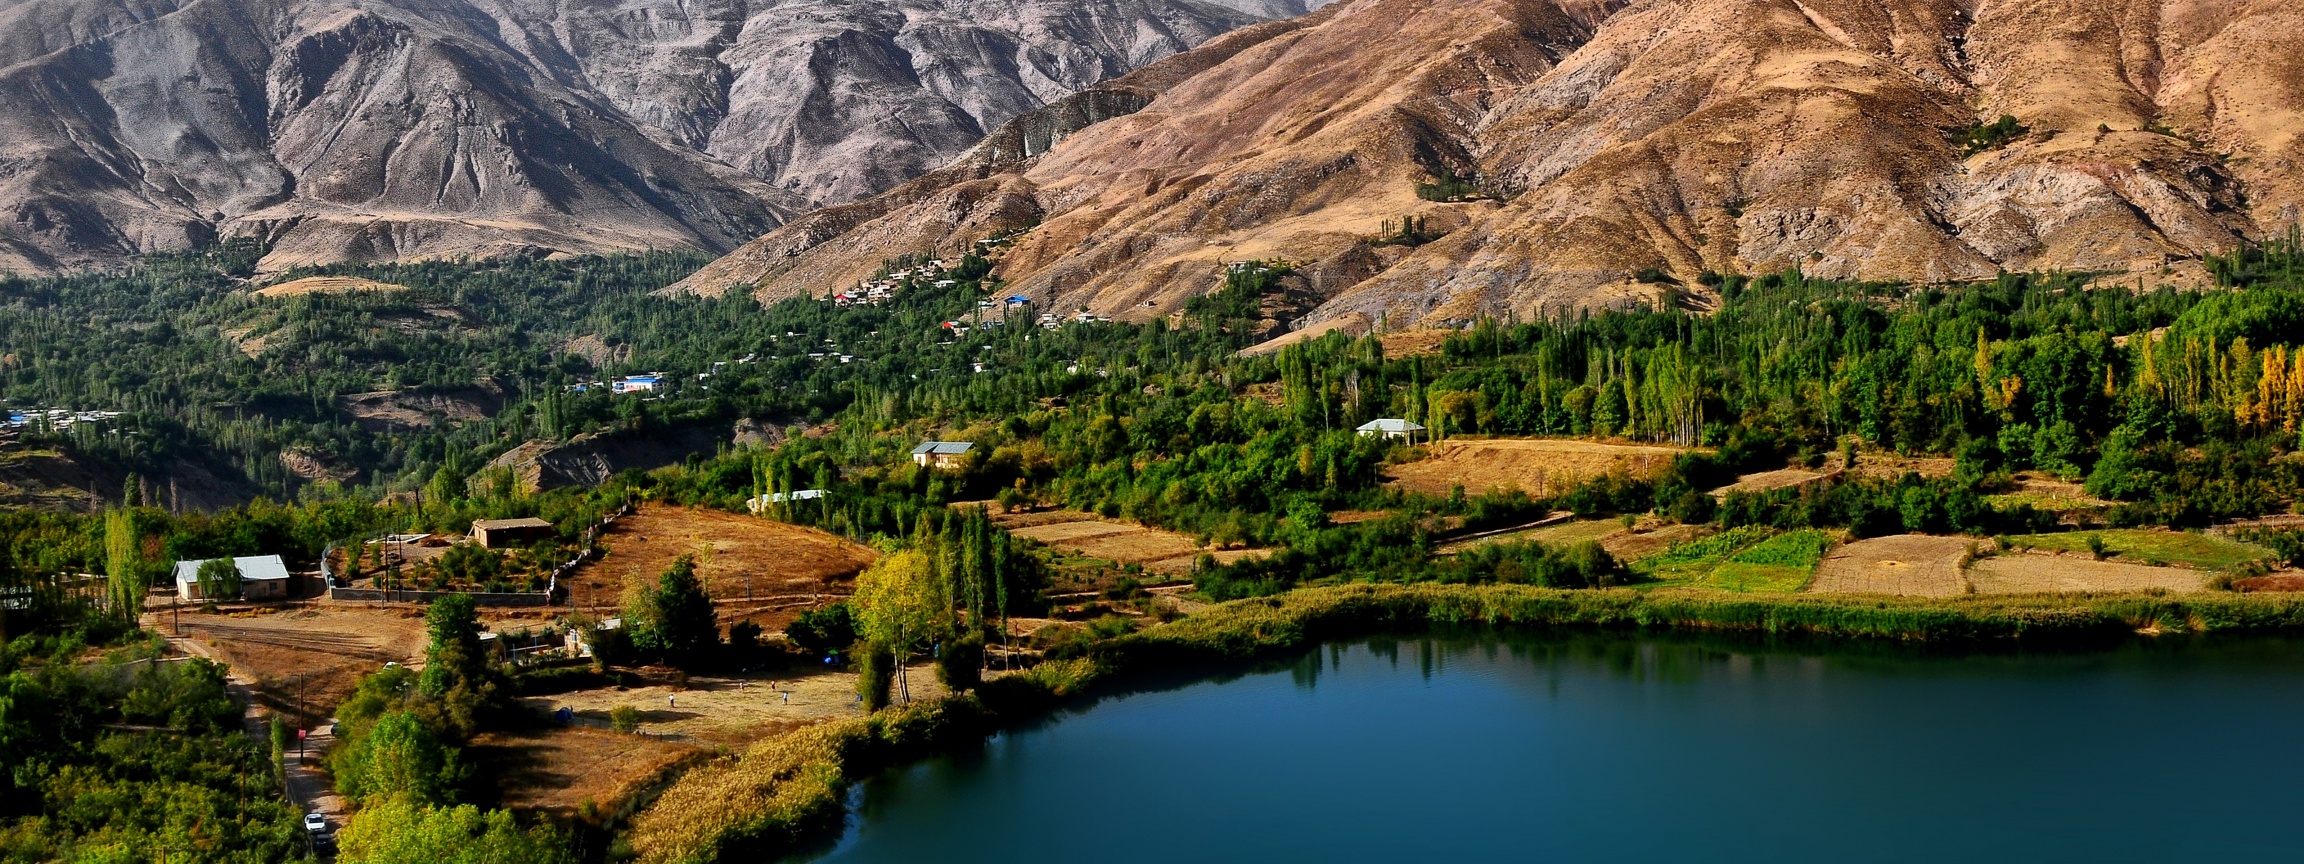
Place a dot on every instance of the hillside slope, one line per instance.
(1849, 139)
(394, 129)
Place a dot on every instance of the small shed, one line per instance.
(499, 533)
(941, 454)
(1390, 427)
(262, 577)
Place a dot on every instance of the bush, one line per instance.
(875, 674)
(1448, 188)
(820, 631)
(961, 663)
(625, 718)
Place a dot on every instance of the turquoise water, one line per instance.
(1624, 748)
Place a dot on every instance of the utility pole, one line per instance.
(299, 718)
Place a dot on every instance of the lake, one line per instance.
(1599, 747)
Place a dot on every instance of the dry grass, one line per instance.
(1157, 551)
(555, 770)
(2035, 574)
(786, 567)
(320, 652)
(1538, 466)
(1912, 565)
(326, 285)
(1411, 343)
(1769, 481)
(732, 710)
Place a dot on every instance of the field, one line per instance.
(1693, 560)
(1650, 537)
(1769, 481)
(326, 285)
(713, 710)
(1913, 565)
(782, 567)
(557, 769)
(2047, 493)
(1780, 563)
(1538, 466)
(2036, 573)
(2153, 547)
(1165, 553)
(318, 652)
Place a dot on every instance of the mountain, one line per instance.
(369, 130)
(1605, 141)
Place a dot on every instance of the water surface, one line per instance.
(1624, 748)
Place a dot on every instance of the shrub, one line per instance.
(625, 718)
(875, 674)
(1980, 137)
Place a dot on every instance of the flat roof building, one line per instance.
(499, 533)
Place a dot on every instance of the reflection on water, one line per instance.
(1585, 746)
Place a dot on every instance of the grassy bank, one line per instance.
(786, 789)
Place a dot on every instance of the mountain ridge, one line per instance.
(404, 129)
(1666, 138)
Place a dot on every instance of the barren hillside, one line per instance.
(403, 129)
(1603, 139)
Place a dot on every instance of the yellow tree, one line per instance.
(902, 602)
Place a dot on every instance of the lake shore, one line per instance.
(787, 790)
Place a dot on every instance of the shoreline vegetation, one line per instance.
(787, 791)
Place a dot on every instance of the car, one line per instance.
(315, 823)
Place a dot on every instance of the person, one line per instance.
(672, 700)
(787, 694)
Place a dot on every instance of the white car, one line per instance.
(315, 823)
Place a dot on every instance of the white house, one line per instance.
(761, 503)
(941, 454)
(262, 577)
(1391, 428)
(636, 383)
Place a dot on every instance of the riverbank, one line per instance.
(787, 790)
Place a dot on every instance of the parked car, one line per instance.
(315, 823)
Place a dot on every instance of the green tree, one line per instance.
(219, 579)
(681, 621)
(398, 758)
(400, 830)
(124, 563)
(458, 677)
(902, 602)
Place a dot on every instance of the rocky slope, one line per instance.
(1608, 138)
(384, 129)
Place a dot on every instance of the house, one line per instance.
(1391, 428)
(636, 383)
(575, 636)
(941, 454)
(499, 533)
(761, 503)
(262, 577)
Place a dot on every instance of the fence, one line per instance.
(587, 551)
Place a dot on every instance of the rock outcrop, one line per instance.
(1605, 140)
(397, 129)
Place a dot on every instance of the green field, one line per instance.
(1780, 563)
(1692, 561)
(2149, 546)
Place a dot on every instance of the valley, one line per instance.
(684, 433)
